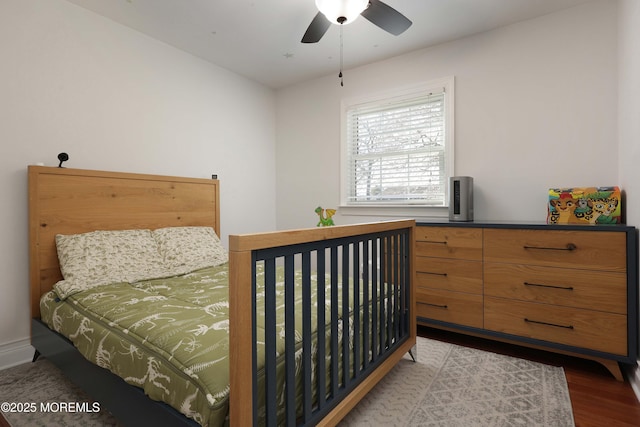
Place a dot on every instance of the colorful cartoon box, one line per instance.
(585, 205)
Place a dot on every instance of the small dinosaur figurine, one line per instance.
(325, 221)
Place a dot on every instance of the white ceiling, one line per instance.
(260, 39)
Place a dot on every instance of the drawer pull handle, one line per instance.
(569, 247)
(548, 324)
(436, 305)
(439, 242)
(566, 288)
(434, 274)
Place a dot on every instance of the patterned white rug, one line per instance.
(33, 386)
(449, 385)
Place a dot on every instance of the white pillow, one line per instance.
(103, 257)
(186, 249)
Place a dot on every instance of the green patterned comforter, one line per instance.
(168, 336)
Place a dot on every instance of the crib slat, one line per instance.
(270, 341)
(375, 330)
(356, 309)
(346, 375)
(334, 321)
(403, 282)
(365, 303)
(367, 308)
(322, 339)
(389, 290)
(307, 379)
(290, 339)
(396, 288)
(383, 293)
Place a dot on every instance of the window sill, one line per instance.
(417, 212)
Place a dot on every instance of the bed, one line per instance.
(281, 368)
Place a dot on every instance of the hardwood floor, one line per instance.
(597, 398)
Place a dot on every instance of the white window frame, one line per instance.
(385, 208)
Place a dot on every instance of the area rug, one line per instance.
(453, 386)
(35, 393)
(448, 385)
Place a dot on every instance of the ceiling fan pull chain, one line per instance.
(340, 75)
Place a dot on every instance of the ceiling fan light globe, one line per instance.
(334, 10)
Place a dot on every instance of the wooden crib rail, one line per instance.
(242, 256)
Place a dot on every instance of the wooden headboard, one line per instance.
(72, 201)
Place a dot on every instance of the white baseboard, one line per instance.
(16, 353)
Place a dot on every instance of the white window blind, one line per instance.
(396, 150)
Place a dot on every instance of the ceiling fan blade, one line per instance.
(386, 17)
(317, 28)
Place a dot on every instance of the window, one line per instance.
(398, 148)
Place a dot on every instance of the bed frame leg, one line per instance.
(36, 355)
(414, 353)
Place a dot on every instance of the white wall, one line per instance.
(628, 123)
(536, 107)
(115, 99)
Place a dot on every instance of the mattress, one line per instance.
(168, 336)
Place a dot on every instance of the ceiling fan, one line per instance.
(346, 11)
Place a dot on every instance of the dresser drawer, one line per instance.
(593, 290)
(598, 331)
(446, 306)
(449, 274)
(600, 250)
(449, 242)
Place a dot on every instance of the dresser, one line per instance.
(563, 288)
